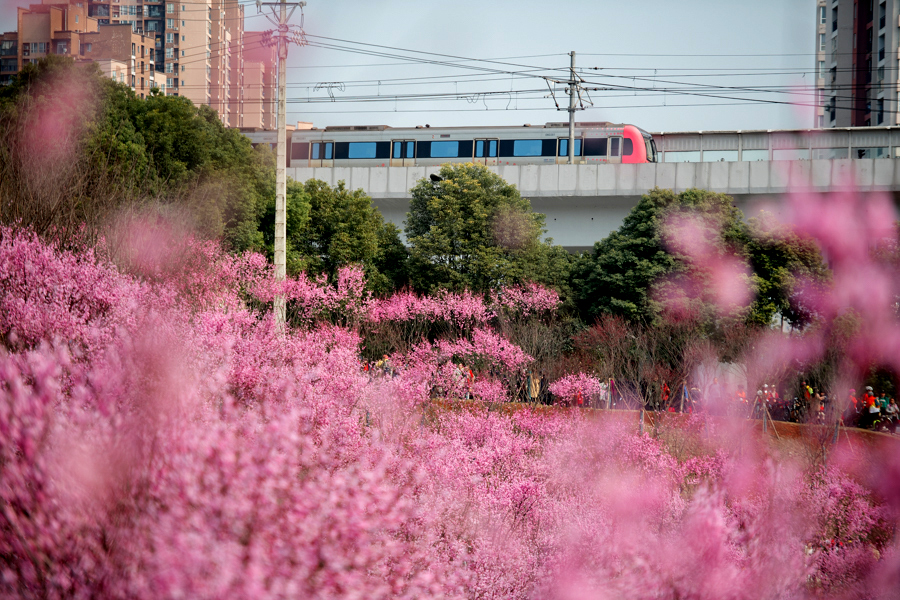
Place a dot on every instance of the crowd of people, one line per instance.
(869, 410)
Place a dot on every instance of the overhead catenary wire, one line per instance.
(489, 70)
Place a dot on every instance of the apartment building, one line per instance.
(64, 28)
(192, 48)
(199, 49)
(119, 43)
(260, 81)
(857, 63)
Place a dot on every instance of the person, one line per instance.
(867, 404)
(815, 407)
(874, 413)
(892, 414)
(545, 389)
(534, 387)
(851, 413)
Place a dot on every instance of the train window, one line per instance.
(300, 151)
(485, 148)
(595, 147)
(564, 147)
(651, 150)
(614, 147)
(628, 148)
(444, 149)
(322, 150)
(527, 147)
(404, 149)
(362, 150)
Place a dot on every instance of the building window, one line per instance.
(170, 23)
(182, 83)
(170, 38)
(62, 47)
(182, 38)
(834, 19)
(168, 67)
(821, 70)
(822, 15)
(132, 81)
(881, 47)
(168, 81)
(880, 117)
(170, 8)
(182, 68)
(821, 42)
(882, 18)
(76, 18)
(88, 47)
(182, 23)
(169, 53)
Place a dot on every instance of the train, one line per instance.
(381, 145)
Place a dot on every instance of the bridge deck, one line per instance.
(583, 203)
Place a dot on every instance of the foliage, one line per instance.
(79, 148)
(329, 228)
(690, 255)
(163, 440)
(780, 258)
(575, 389)
(474, 231)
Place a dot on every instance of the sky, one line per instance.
(694, 65)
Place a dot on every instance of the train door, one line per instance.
(562, 153)
(615, 150)
(485, 151)
(403, 153)
(321, 154)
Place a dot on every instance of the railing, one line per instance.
(805, 144)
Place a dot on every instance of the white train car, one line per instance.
(380, 145)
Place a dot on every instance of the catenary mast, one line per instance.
(280, 37)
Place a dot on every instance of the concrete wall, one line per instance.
(583, 203)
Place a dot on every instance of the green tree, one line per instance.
(78, 147)
(330, 227)
(625, 269)
(780, 258)
(473, 230)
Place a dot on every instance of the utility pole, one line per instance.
(573, 89)
(280, 38)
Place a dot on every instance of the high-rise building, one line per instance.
(259, 88)
(63, 27)
(201, 43)
(192, 48)
(857, 63)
